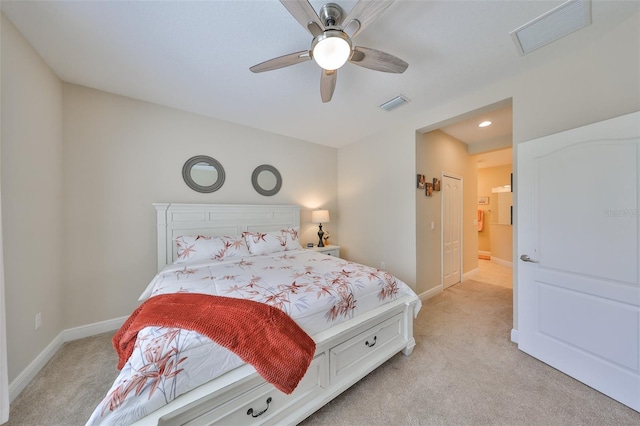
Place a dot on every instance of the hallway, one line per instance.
(493, 273)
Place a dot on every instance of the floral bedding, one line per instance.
(317, 291)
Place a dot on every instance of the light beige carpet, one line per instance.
(69, 387)
(466, 371)
(463, 371)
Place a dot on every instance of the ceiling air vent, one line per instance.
(553, 25)
(394, 103)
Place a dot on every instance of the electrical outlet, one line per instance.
(38, 320)
(383, 265)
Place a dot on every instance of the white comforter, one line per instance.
(315, 290)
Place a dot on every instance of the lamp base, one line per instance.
(320, 234)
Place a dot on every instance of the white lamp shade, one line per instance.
(320, 216)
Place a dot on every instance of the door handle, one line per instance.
(526, 258)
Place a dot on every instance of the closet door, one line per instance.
(451, 230)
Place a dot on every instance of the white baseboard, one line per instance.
(431, 293)
(29, 373)
(92, 329)
(502, 262)
(469, 275)
(514, 335)
(18, 384)
(484, 253)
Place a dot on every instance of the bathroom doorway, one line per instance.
(495, 207)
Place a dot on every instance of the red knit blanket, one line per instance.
(259, 334)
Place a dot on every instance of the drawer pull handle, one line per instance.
(250, 410)
(371, 344)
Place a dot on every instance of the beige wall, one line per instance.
(597, 82)
(121, 155)
(80, 169)
(438, 153)
(494, 238)
(31, 199)
(501, 243)
(374, 192)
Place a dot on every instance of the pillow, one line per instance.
(203, 247)
(293, 242)
(232, 247)
(192, 248)
(265, 243)
(272, 242)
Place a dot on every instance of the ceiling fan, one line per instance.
(332, 46)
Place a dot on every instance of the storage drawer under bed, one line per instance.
(379, 339)
(259, 404)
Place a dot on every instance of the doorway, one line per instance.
(451, 148)
(495, 201)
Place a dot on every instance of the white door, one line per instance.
(451, 230)
(579, 303)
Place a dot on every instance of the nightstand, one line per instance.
(330, 250)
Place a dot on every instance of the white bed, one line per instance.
(344, 354)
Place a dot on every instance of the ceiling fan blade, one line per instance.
(377, 60)
(328, 84)
(364, 12)
(305, 14)
(282, 61)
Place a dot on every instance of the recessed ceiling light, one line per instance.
(484, 124)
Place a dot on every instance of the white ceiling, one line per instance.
(195, 56)
(489, 144)
(502, 157)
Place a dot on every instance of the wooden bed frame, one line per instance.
(344, 354)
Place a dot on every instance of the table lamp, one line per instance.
(320, 217)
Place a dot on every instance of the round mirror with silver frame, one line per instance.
(203, 173)
(266, 180)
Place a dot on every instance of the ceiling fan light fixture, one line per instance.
(331, 49)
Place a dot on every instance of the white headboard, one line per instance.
(217, 219)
